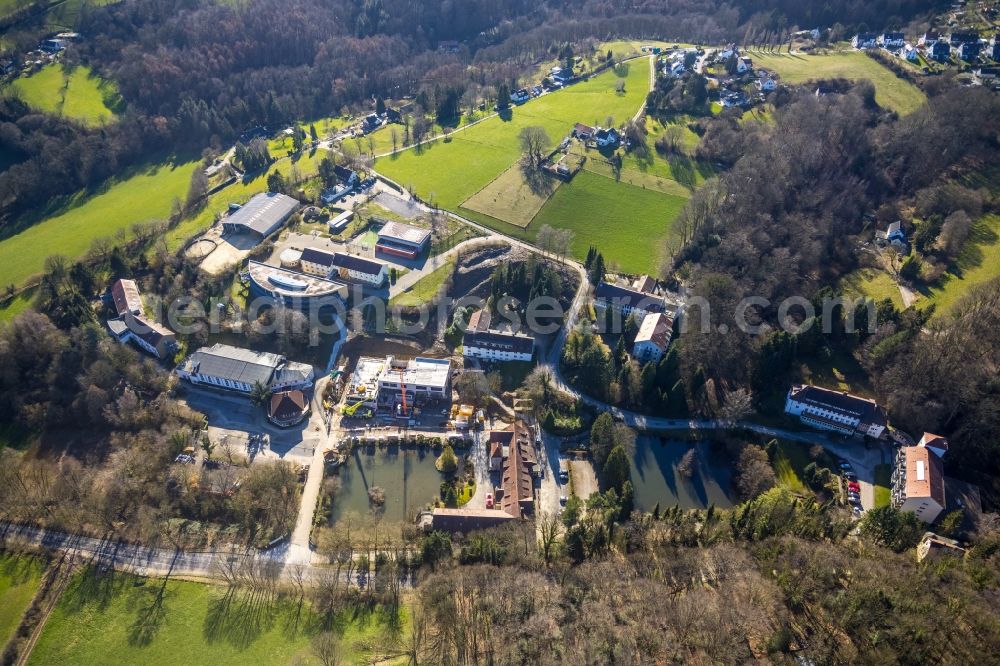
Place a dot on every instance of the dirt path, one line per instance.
(61, 573)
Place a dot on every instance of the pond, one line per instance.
(657, 480)
(408, 477)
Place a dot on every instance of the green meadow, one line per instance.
(76, 93)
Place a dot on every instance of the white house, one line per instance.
(745, 64)
(358, 268)
(676, 69)
(147, 335)
(838, 411)
(626, 301)
(918, 478)
(865, 40)
(317, 262)
(653, 338)
(891, 41)
(498, 346)
(766, 85)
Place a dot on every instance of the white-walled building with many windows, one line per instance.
(835, 410)
(238, 369)
(918, 478)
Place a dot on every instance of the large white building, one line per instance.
(148, 335)
(379, 382)
(490, 345)
(364, 270)
(835, 410)
(627, 301)
(918, 478)
(238, 369)
(653, 338)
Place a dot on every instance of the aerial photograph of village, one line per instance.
(404, 332)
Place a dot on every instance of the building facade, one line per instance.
(835, 410)
(653, 338)
(237, 369)
(497, 346)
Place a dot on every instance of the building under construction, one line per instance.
(399, 385)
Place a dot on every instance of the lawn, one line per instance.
(882, 486)
(512, 197)
(790, 460)
(19, 580)
(978, 262)
(630, 226)
(448, 173)
(77, 93)
(136, 621)
(15, 306)
(873, 283)
(890, 91)
(145, 195)
(425, 288)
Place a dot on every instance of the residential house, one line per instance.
(645, 284)
(985, 76)
(462, 520)
(728, 52)
(958, 38)
(520, 96)
(393, 115)
(929, 39)
(653, 338)
(287, 408)
(607, 138)
(745, 64)
(969, 51)
(838, 411)
(676, 69)
(583, 132)
(918, 480)
(910, 53)
(891, 41)
(498, 346)
(364, 270)
(766, 85)
(893, 235)
(865, 40)
(125, 294)
(149, 336)
(449, 46)
(371, 123)
(499, 445)
(347, 181)
(939, 51)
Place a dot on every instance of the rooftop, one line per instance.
(397, 231)
(625, 297)
(655, 328)
(924, 474)
(419, 371)
(264, 212)
(517, 343)
(287, 404)
(360, 264)
(234, 363)
(364, 381)
(841, 401)
(315, 255)
(285, 282)
(126, 296)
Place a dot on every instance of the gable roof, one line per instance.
(868, 411)
(655, 328)
(125, 294)
(624, 297)
(313, 255)
(149, 331)
(233, 363)
(264, 213)
(580, 128)
(359, 264)
(509, 342)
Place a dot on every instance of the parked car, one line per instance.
(858, 511)
(850, 476)
(563, 499)
(854, 487)
(846, 466)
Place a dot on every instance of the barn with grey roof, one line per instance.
(264, 214)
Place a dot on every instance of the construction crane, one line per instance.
(402, 384)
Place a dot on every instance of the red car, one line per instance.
(854, 488)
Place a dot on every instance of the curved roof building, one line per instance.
(292, 288)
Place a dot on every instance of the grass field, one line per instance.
(19, 580)
(426, 288)
(131, 621)
(630, 225)
(448, 173)
(15, 306)
(512, 198)
(873, 283)
(882, 485)
(789, 461)
(78, 93)
(890, 91)
(979, 262)
(146, 195)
